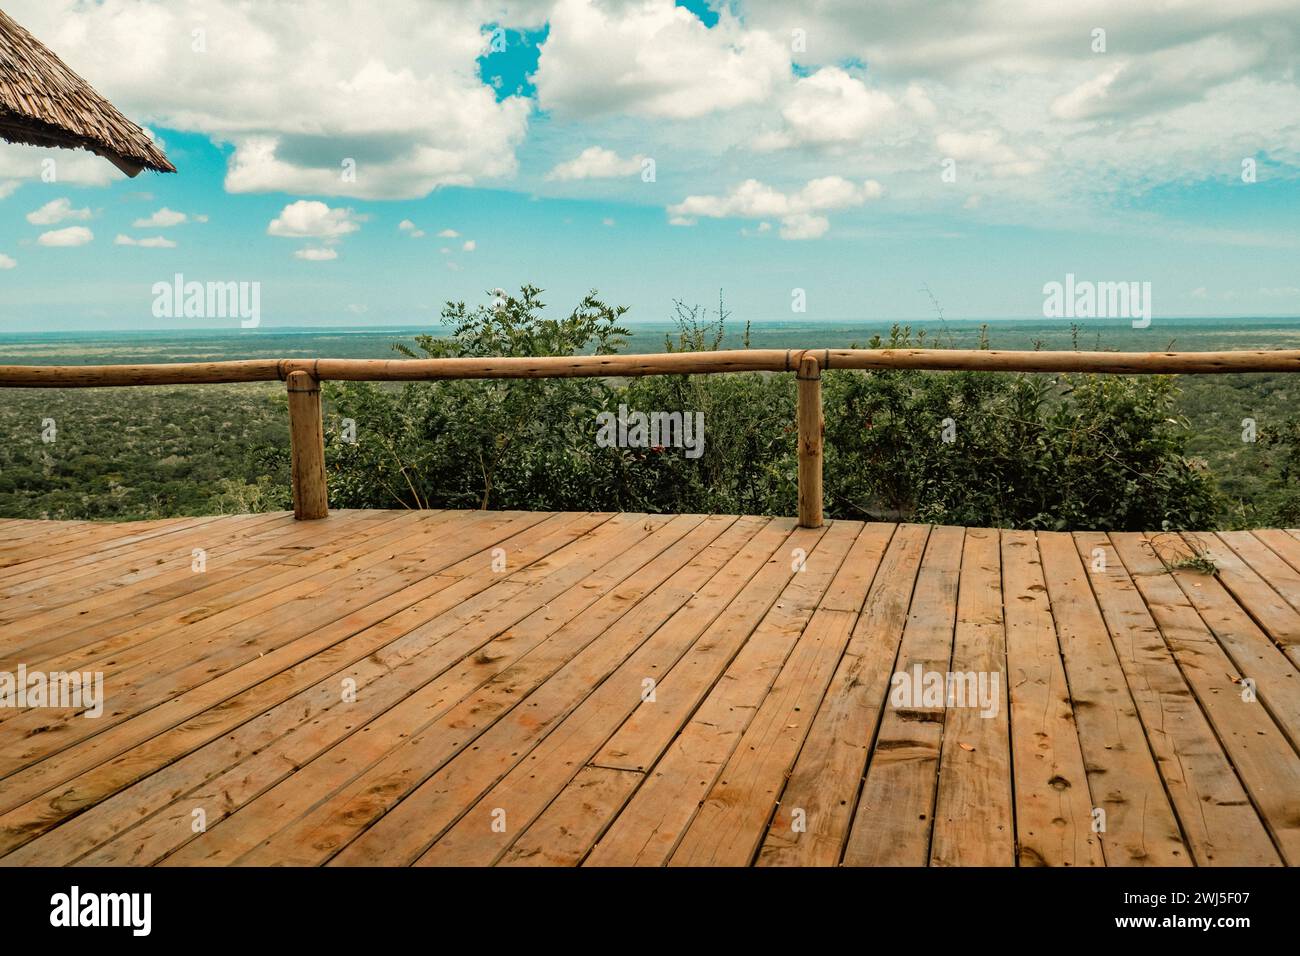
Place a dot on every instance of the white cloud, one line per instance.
(652, 58)
(164, 218)
(449, 234)
(981, 37)
(299, 88)
(56, 211)
(312, 219)
(829, 107)
(7, 262)
(71, 236)
(1182, 94)
(410, 229)
(595, 162)
(20, 163)
(316, 254)
(469, 245)
(797, 211)
(986, 148)
(608, 221)
(801, 225)
(150, 242)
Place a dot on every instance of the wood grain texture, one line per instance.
(509, 688)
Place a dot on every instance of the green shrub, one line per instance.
(1031, 451)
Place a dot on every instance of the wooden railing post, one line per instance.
(811, 427)
(307, 444)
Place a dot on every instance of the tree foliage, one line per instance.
(1032, 451)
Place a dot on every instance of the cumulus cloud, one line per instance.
(312, 219)
(596, 162)
(20, 163)
(164, 218)
(316, 254)
(829, 107)
(56, 211)
(411, 229)
(449, 234)
(149, 242)
(797, 211)
(388, 101)
(653, 58)
(6, 262)
(469, 245)
(71, 236)
(365, 100)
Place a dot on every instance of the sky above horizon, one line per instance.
(365, 163)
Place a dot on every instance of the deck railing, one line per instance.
(307, 435)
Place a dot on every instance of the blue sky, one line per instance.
(783, 160)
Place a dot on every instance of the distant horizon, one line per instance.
(732, 322)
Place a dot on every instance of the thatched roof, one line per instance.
(44, 103)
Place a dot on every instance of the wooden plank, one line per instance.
(828, 772)
(1053, 805)
(192, 604)
(47, 541)
(14, 581)
(645, 735)
(529, 787)
(346, 789)
(1264, 759)
(604, 695)
(1276, 565)
(728, 828)
(973, 817)
(144, 741)
(1140, 828)
(650, 828)
(1257, 657)
(575, 820)
(56, 542)
(96, 574)
(1215, 814)
(397, 656)
(459, 789)
(895, 811)
(1257, 597)
(170, 666)
(381, 685)
(1282, 543)
(508, 691)
(408, 671)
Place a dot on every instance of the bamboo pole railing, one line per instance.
(303, 378)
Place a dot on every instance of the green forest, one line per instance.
(1034, 451)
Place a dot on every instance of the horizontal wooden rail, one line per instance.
(675, 363)
(304, 375)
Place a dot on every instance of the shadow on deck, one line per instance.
(481, 688)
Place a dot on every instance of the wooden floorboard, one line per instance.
(442, 688)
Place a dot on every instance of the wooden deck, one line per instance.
(439, 688)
